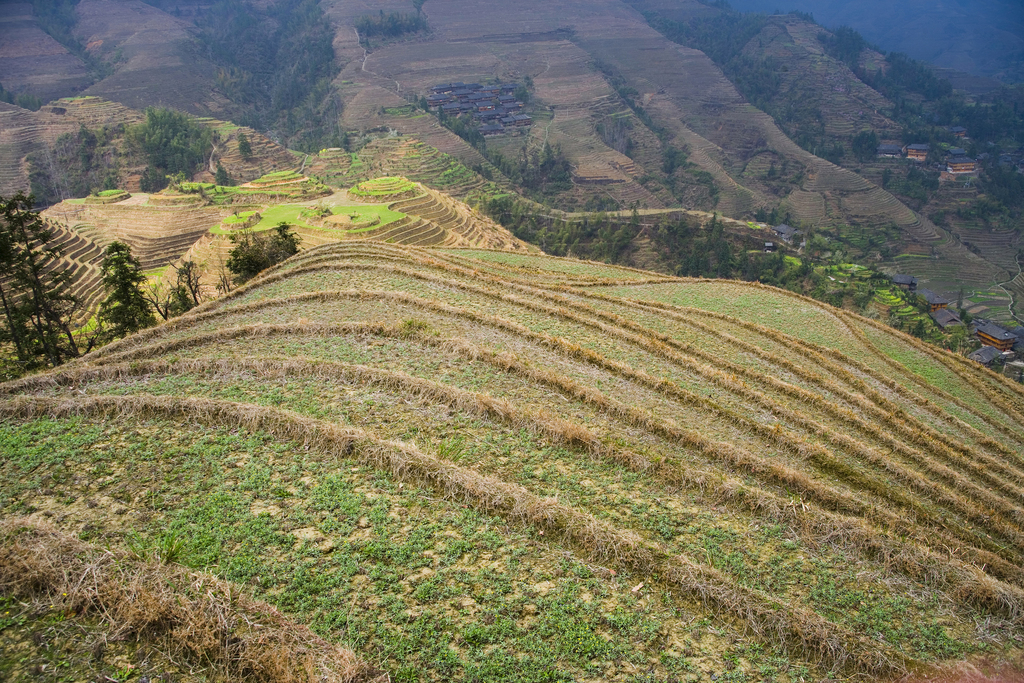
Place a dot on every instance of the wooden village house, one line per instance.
(889, 151)
(785, 232)
(986, 355)
(918, 152)
(935, 302)
(946, 318)
(960, 165)
(992, 335)
(907, 282)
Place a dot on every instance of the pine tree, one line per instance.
(222, 176)
(244, 148)
(35, 297)
(125, 310)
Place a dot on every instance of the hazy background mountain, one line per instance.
(982, 37)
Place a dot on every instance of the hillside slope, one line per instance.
(33, 62)
(582, 57)
(983, 38)
(167, 228)
(479, 465)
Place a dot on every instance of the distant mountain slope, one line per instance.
(24, 133)
(820, 94)
(33, 62)
(681, 89)
(155, 60)
(982, 37)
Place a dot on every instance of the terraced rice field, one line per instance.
(479, 466)
(386, 188)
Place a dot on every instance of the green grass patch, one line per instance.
(293, 215)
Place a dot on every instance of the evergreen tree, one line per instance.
(865, 145)
(125, 310)
(35, 297)
(244, 148)
(222, 176)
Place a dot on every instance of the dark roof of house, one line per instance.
(957, 129)
(994, 331)
(904, 279)
(931, 297)
(956, 152)
(521, 117)
(784, 229)
(946, 318)
(453, 105)
(985, 355)
(920, 147)
(960, 160)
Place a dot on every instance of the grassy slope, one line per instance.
(484, 466)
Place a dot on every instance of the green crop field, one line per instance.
(293, 215)
(469, 465)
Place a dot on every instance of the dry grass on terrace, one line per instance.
(480, 465)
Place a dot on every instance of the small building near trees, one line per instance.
(986, 355)
(946, 318)
(786, 232)
(907, 282)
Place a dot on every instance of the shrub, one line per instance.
(258, 251)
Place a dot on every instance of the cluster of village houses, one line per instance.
(997, 342)
(494, 107)
(956, 164)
